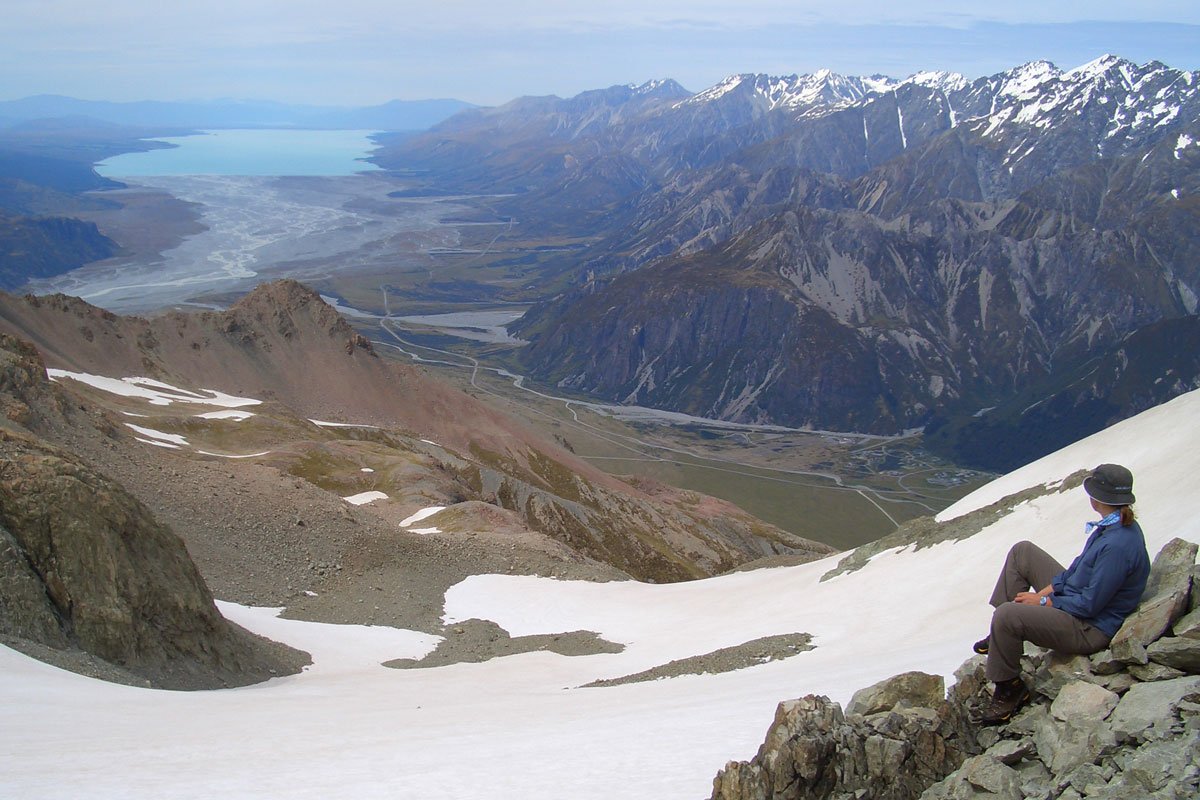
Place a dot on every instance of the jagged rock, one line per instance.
(1194, 600)
(1188, 626)
(1182, 654)
(1155, 672)
(1066, 745)
(1165, 600)
(1104, 663)
(1011, 752)
(1165, 769)
(1118, 682)
(915, 688)
(1171, 569)
(1129, 651)
(1058, 670)
(1083, 699)
(1146, 704)
(1154, 618)
(1089, 778)
(978, 777)
(813, 750)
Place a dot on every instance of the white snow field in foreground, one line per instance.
(521, 726)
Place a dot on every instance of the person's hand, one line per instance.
(1028, 598)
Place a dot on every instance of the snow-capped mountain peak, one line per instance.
(1028, 81)
(823, 90)
(945, 81)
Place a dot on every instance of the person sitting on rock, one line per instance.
(1076, 610)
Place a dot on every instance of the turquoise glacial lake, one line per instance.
(249, 152)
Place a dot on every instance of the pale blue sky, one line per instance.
(362, 52)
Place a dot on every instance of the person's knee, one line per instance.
(1021, 548)
(1006, 619)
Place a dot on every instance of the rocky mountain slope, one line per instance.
(918, 249)
(421, 442)
(88, 575)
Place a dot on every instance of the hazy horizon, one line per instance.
(368, 52)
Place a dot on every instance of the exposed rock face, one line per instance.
(1096, 727)
(83, 563)
(813, 750)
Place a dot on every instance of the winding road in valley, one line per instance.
(644, 451)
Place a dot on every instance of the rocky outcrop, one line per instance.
(1124, 722)
(814, 750)
(84, 565)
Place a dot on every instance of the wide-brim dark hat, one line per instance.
(1111, 484)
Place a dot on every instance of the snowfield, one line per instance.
(522, 726)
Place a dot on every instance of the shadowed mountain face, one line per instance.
(284, 345)
(858, 254)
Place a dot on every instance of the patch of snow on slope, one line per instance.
(363, 498)
(173, 438)
(155, 392)
(424, 513)
(234, 414)
(324, 424)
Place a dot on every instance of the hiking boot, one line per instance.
(981, 647)
(1007, 698)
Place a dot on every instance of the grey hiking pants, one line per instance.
(1029, 567)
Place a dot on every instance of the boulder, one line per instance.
(1189, 625)
(1177, 652)
(1011, 752)
(1155, 672)
(1194, 600)
(978, 777)
(914, 688)
(1083, 699)
(813, 750)
(1147, 704)
(1172, 568)
(1058, 670)
(1152, 619)
(1068, 744)
(1165, 600)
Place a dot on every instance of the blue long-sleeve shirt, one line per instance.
(1105, 583)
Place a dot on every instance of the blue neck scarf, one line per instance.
(1111, 519)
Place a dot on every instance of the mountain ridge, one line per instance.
(289, 351)
(964, 199)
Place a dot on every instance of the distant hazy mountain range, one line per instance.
(861, 253)
(397, 115)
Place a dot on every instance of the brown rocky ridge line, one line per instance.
(282, 343)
